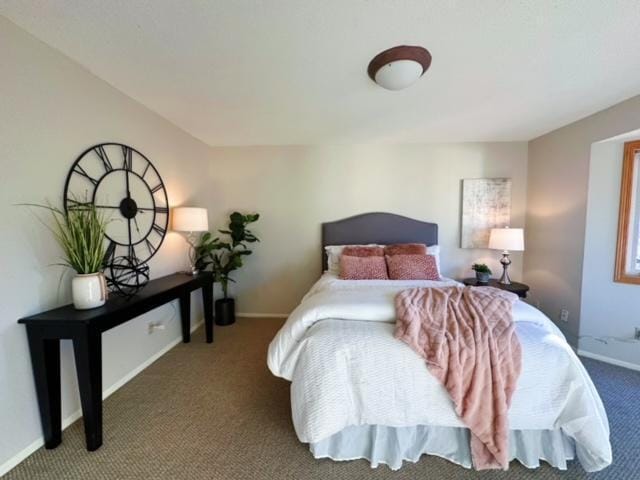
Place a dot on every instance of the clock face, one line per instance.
(124, 186)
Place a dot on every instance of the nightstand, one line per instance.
(519, 289)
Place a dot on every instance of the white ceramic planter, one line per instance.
(89, 290)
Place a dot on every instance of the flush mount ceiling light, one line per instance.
(399, 67)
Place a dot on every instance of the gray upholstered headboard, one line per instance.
(377, 227)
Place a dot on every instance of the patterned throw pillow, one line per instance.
(406, 249)
(363, 268)
(360, 251)
(412, 267)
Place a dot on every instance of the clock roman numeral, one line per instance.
(150, 246)
(145, 169)
(80, 171)
(104, 157)
(156, 188)
(73, 204)
(164, 210)
(127, 155)
(158, 229)
(109, 254)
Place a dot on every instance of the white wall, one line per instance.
(51, 109)
(610, 310)
(295, 189)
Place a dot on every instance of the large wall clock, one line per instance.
(124, 185)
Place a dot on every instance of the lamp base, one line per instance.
(191, 240)
(192, 272)
(505, 261)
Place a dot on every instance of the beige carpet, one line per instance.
(215, 412)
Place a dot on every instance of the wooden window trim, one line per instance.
(624, 219)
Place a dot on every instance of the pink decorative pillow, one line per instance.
(406, 249)
(412, 267)
(359, 251)
(363, 268)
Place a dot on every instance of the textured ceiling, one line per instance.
(294, 71)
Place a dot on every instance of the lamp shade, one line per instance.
(507, 239)
(190, 219)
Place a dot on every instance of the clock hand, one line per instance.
(128, 192)
(129, 229)
(116, 207)
(136, 222)
(107, 206)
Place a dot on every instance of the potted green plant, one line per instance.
(483, 272)
(224, 257)
(80, 233)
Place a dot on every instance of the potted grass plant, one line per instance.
(224, 257)
(80, 233)
(483, 272)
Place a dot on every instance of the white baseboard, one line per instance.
(612, 361)
(262, 315)
(7, 466)
(24, 453)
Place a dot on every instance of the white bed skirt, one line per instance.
(391, 445)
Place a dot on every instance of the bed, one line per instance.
(359, 393)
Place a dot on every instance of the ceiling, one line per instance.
(277, 72)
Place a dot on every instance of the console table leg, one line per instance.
(45, 361)
(185, 316)
(87, 348)
(207, 300)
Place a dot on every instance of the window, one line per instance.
(627, 268)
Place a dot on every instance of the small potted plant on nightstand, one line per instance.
(483, 272)
(226, 257)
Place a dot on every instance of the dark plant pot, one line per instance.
(225, 311)
(483, 277)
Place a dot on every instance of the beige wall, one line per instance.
(51, 110)
(558, 175)
(295, 189)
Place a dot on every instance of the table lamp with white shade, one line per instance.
(506, 239)
(190, 220)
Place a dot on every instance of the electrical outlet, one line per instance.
(153, 326)
(636, 334)
(564, 315)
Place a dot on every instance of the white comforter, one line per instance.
(346, 368)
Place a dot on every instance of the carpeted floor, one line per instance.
(215, 412)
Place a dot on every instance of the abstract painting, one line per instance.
(486, 204)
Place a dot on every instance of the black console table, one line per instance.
(84, 328)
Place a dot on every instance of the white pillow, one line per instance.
(334, 252)
(435, 251)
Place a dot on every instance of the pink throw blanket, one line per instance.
(467, 337)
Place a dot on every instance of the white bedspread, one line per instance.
(346, 368)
